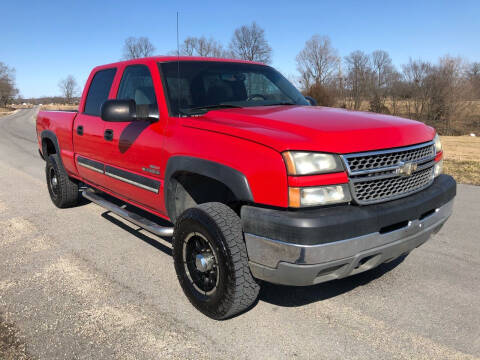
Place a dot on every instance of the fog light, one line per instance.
(437, 170)
(319, 195)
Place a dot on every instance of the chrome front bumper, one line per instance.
(293, 264)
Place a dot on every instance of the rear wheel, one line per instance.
(211, 261)
(63, 190)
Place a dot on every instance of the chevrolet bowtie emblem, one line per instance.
(405, 168)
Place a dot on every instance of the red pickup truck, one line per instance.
(253, 181)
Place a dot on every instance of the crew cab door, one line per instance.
(135, 148)
(88, 128)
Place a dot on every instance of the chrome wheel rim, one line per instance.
(200, 263)
(53, 181)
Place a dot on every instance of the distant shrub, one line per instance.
(377, 106)
(323, 95)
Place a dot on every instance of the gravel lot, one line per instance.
(83, 284)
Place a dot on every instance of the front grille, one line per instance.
(374, 176)
(385, 159)
(374, 190)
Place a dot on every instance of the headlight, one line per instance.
(307, 163)
(438, 144)
(318, 195)
(437, 170)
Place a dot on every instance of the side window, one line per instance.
(98, 91)
(137, 85)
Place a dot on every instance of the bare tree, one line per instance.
(448, 90)
(318, 62)
(437, 94)
(395, 91)
(8, 91)
(194, 46)
(417, 90)
(69, 88)
(359, 76)
(189, 47)
(324, 95)
(384, 73)
(135, 48)
(382, 65)
(473, 75)
(249, 43)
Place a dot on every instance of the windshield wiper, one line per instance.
(281, 103)
(211, 107)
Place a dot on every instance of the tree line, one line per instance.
(440, 94)
(248, 42)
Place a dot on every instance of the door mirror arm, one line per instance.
(146, 112)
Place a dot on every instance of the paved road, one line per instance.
(82, 284)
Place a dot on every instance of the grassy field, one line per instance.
(402, 105)
(462, 158)
(6, 111)
(59, 107)
(466, 119)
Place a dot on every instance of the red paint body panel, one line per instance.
(263, 166)
(89, 145)
(138, 144)
(315, 128)
(249, 140)
(317, 180)
(61, 124)
(138, 195)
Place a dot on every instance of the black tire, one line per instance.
(63, 190)
(215, 225)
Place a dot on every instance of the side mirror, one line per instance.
(126, 111)
(311, 101)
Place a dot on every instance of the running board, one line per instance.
(144, 223)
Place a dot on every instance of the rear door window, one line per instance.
(98, 91)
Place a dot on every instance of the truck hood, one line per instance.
(314, 128)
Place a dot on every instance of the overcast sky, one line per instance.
(48, 40)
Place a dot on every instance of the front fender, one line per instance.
(235, 180)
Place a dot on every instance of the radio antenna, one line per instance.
(178, 70)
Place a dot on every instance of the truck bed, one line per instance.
(60, 124)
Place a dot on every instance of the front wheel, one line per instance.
(211, 261)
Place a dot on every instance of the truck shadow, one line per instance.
(136, 232)
(291, 296)
(130, 134)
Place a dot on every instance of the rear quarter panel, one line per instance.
(61, 124)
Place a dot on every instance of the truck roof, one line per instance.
(165, 58)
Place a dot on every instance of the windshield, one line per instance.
(195, 87)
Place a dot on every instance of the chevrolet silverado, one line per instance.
(252, 180)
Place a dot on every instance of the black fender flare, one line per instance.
(235, 180)
(50, 135)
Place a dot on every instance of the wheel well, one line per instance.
(48, 147)
(186, 190)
